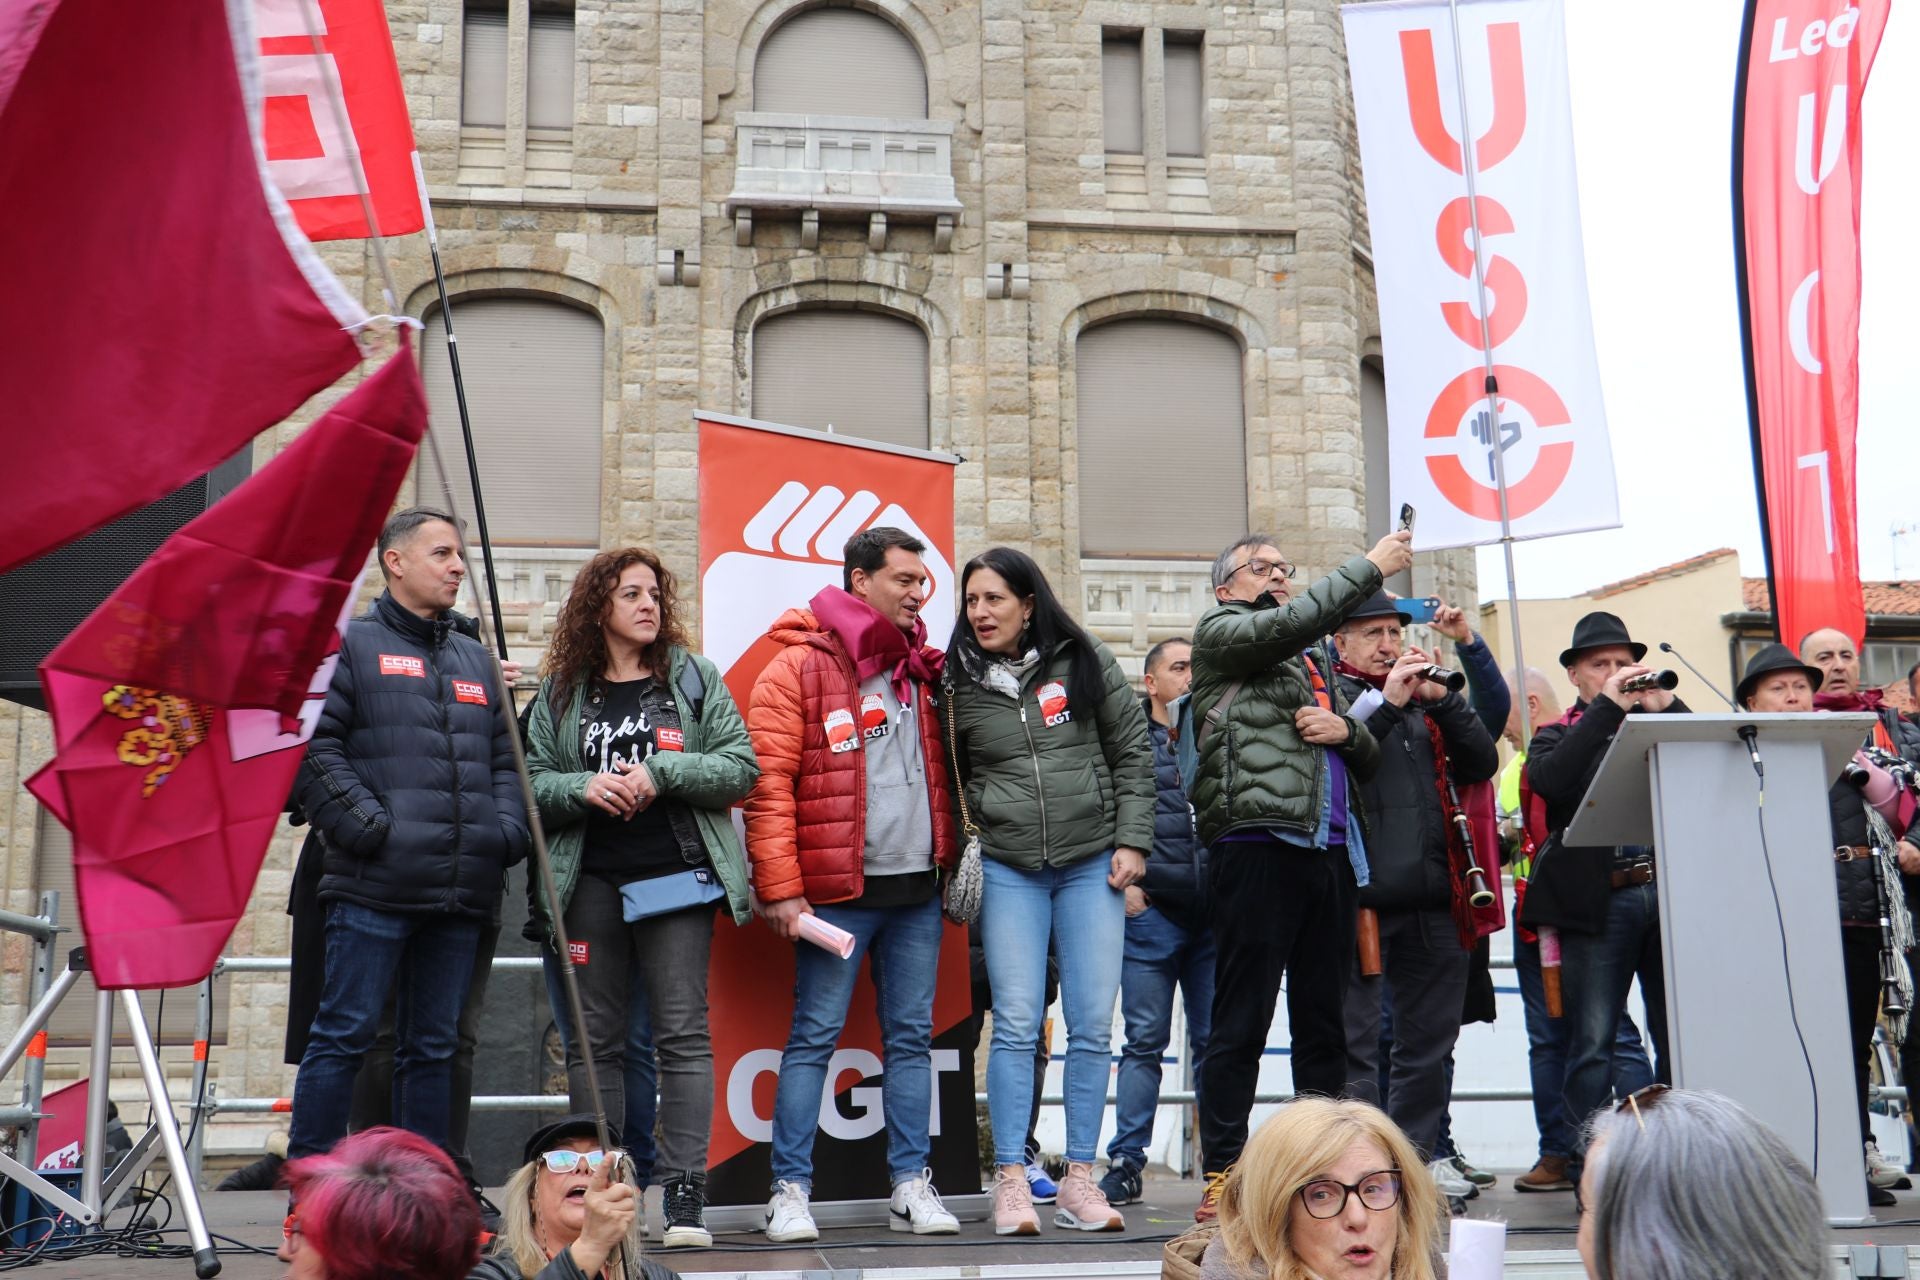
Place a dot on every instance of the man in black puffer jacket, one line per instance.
(410, 785)
(1411, 887)
(1168, 942)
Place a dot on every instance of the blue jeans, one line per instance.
(1596, 973)
(642, 1106)
(1547, 1054)
(431, 957)
(1086, 918)
(904, 943)
(1159, 954)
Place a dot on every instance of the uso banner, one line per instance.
(777, 504)
(1550, 430)
(1796, 191)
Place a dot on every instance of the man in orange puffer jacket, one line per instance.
(852, 821)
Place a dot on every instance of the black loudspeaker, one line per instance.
(45, 599)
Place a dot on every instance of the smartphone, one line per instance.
(1406, 516)
(1419, 608)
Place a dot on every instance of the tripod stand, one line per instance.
(97, 1190)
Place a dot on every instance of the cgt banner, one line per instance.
(777, 504)
(1796, 191)
(1550, 430)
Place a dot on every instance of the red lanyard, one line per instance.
(1320, 694)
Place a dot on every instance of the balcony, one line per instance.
(898, 170)
(1132, 605)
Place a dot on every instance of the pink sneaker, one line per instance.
(1082, 1205)
(1013, 1213)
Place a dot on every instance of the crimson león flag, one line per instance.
(157, 314)
(182, 706)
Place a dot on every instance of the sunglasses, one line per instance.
(1639, 1100)
(570, 1161)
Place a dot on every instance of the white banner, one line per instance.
(1551, 429)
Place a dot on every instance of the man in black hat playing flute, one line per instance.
(1600, 900)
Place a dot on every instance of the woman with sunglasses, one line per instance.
(565, 1215)
(1327, 1190)
(1682, 1184)
(382, 1204)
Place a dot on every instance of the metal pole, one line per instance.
(460, 400)
(202, 1039)
(1467, 165)
(99, 1076)
(34, 1082)
(206, 1263)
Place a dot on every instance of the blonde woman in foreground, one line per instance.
(1327, 1190)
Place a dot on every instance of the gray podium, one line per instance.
(1686, 785)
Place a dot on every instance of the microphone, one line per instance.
(1711, 687)
(1750, 735)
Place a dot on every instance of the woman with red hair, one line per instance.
(384, 1204)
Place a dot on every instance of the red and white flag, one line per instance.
(310, 150)
(182, 707)
(1803, 69)
(160, 307)
(1547, 429)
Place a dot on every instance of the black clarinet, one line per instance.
(1479, 893)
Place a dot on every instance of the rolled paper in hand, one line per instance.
(1477, 1250)
(1366, 928)
(825, 936)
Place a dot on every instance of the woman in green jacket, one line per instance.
(1052, 749)
(637, 752)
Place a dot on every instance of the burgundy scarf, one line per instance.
(1858, 700)
(875, 644)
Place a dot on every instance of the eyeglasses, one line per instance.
(1327, 1198)
(1639, 1100)
(569, 1161)
(1266, 568)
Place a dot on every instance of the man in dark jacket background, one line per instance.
(1273, 794)
(1168, 943)
(1426, 733)
(1602, 900)
(410, 785)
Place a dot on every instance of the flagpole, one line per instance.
(1467, 166)
(460, 400)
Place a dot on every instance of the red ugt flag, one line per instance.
(182, 706)
(155, 316)
(307, 156)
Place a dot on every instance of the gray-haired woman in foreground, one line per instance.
(1687, 1185)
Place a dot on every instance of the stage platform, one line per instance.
(1541, 1244)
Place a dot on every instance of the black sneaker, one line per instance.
(1880, 1197)
(1120, 1183)
(262, 1175)
(683, 1209)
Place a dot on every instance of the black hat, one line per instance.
(1597, 631)
(1380, 605)
(1775, 657)
(578, 1125)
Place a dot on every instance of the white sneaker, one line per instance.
(916, 1207)
(1448, 1180)
(789, 1219)
(1882, 1171)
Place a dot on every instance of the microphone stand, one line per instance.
(1711, 687)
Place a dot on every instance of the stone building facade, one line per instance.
(674, 178)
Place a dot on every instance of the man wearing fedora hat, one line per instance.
(1600, 899)
(1778, 681)
(1427, 733)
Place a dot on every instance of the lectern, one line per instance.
(1749, 928)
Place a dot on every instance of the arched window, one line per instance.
(1163, 439)
(533, 372)
(861, 372)
(840, 62)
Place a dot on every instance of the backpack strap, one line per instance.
(1216, 714)
(693, 686)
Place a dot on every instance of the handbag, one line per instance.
(966, 884)
(661, 895)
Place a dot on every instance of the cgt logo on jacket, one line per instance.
(1053, 703)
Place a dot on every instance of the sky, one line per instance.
(1652, 95)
